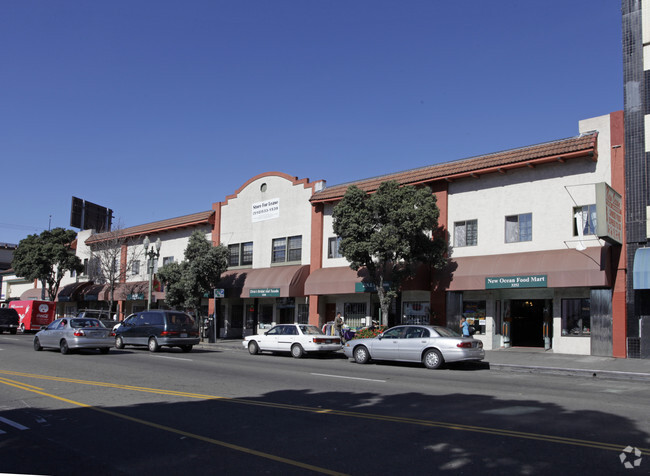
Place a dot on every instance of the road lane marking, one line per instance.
(13, 423)
(168, 357)
(348, 414)
(187, 434)
(349, 378)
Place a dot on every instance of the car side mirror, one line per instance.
(380, 336)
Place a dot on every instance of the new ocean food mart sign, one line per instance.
(508, 282)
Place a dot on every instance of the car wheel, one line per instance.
(253, 348)
(64, 347)
(119, 342)
(13, 331)
(104, 350)
(153, 345)
(186, 348)
(37, 344)
(361, 355)
(297, 351)
(433, 359)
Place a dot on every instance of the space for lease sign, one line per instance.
(266, 210)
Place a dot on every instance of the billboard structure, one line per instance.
(87, 215)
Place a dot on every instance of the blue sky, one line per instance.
(157, 109)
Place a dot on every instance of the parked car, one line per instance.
(431, 345)
(8, 320)
(71, 333)
(103, 315)
(156, 329)
(295, 338)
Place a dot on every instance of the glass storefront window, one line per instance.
(303, 313)
(354, 313)
(474, 312)
(576, 320)
(415, 312)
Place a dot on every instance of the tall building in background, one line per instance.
(636, 76)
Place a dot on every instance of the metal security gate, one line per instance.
(601, 322)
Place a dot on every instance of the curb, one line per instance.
(584, 373)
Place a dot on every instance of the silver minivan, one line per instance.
(156, 329)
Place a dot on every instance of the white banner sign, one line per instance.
(266, 210)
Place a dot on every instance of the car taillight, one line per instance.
(169, 333)
(326, 340)
(464, 345)
(79, 333)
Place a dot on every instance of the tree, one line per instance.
(187, 282)
(46, 258)
(106, 259)
(389, 233)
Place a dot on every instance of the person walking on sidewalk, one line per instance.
(338, 325)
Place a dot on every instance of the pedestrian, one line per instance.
(338, 325)
(464, 325)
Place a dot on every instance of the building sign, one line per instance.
(508, 282)
(135, 297)
(368, 287)
(219, 293)
(266, 210)
(265, 292)
(609, 214)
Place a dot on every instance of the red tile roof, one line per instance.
(584, 145)
(200, 218)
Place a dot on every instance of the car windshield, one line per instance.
(309, 330)
(77, 323)
(446, 332)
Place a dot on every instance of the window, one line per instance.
(167, 260)
(303, 314)
(415, 312)
(286, 249)
(585, 221)
(333, 247)
(135, 267)
(466, 233)
(354, 313)
(474, 312)
(576, 320)
(519, 228)
(240, 254)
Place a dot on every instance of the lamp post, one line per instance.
(151, 254)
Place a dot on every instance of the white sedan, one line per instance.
(295, 338)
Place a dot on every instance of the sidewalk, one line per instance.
(532, 360)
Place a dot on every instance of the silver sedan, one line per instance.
(431, 345)
(71, 333)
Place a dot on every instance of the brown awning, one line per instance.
(33, 294)
(343, 280)
(94, 292)
(69, 292)
(288, 280)
(127, 291)
(339, 280)
(563, 268)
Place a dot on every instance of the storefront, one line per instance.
(559, 299)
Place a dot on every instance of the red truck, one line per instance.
(33, 314)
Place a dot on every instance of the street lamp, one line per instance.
(151, 254)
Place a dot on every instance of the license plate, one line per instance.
(183, 334)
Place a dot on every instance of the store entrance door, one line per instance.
(527, 322)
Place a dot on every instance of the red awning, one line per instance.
(34, 294)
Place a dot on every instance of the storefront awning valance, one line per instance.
(34, 294)
(563, 268)
(69, 292)
(641, 269)
(280, 281)
(94, 292)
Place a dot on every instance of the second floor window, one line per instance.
(168, 260)
(519, 228)
(585, 220)
(135, 267)
(286, 249)
(466, 233)
(240, 254)
(333, 247)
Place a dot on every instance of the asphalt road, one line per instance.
(227, 412)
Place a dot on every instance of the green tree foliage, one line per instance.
(46, 258)
(187, 282)
(389, 233)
